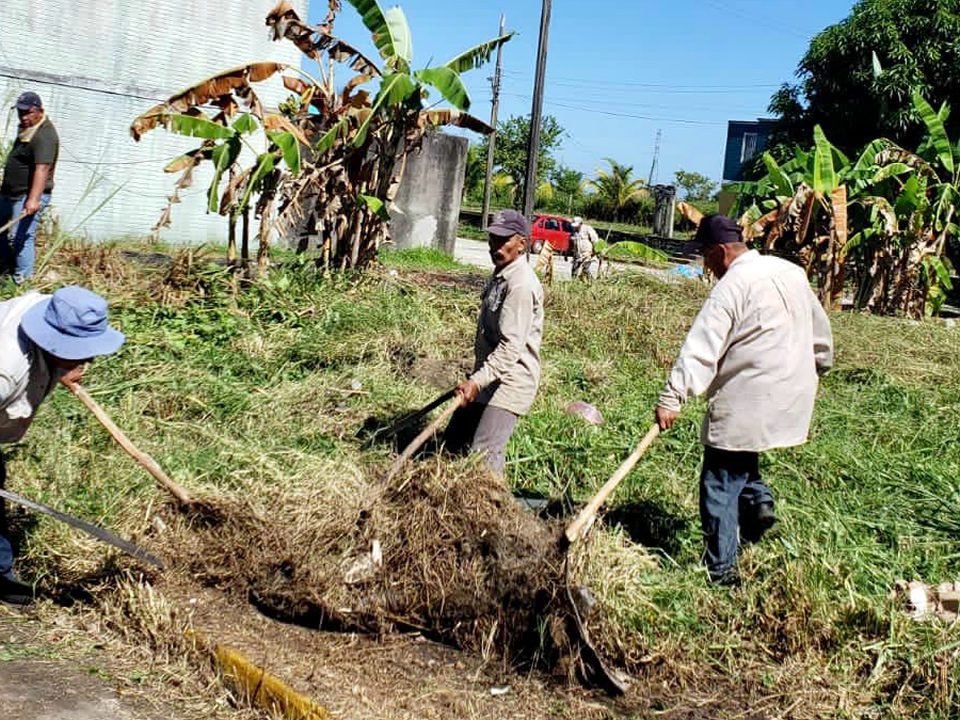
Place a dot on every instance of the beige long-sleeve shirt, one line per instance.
(756, 348)
(25, 377)
(586, 240)
(509, 332)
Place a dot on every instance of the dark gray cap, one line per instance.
(28, 100)
(714, 230)
(507, 223)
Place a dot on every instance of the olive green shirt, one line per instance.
(43, 148)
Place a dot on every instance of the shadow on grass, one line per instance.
(394, 431)
(649, 524)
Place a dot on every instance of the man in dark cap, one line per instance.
(43, 339)
(756, 349)
(507, 348)
(26, 187)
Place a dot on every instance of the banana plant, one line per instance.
(332, 155)
(401, 86)
(902, 206)
(916, 219)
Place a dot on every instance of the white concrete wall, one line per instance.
(98, 64)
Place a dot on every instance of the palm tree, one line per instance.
(615, 190)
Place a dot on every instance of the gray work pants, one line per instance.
(484, 429)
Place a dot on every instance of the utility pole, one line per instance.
(656, 158)
(488, 180)
(536, 112)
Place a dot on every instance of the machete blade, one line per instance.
(99, 533)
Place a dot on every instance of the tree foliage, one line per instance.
(510, 151)
(616, 194)
(696, 188)
(839, 86)
(885, 219)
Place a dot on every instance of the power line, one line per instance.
(762, 20)
(673, 87)
(621, 103)
(681, 121)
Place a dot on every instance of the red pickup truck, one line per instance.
(553, 229)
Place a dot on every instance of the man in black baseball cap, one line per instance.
(27, 184)
(720, 240)
(507, 348)
(755, 349)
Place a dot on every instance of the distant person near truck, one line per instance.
(585, 241)
(27, 185)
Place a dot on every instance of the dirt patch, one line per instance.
(41, 679)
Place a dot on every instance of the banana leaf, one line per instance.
(936, 130)
(449, 84)
(201, 127)
(289, 148)
(477, 55)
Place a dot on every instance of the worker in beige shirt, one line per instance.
(507, 348)
(585, 241)
(756, 349)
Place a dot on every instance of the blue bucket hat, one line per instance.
(72, 325)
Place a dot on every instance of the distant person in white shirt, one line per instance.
(756, 349)
(585, 241)
(43, 339)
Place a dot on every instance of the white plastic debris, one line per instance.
(927, 602)
(496, 691)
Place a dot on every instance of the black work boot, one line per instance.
(727, 578)
(14, 591)
(755, 521)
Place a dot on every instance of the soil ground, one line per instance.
(42, 679)
(59, 663)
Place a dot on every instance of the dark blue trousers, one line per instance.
(6, 551)
(729, 482)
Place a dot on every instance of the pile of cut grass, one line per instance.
(259, 391)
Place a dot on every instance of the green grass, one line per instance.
(423, 258)
(274, 381)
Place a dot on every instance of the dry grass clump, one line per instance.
(445, 551)
(617, 572)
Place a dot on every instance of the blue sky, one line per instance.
(619, 70)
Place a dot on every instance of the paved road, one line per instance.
(474, 252)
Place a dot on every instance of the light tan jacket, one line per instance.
(509, 332)
(756, 349)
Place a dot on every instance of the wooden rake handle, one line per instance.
(148, 463)
(13, 222)
(420, 439)
(577, 527)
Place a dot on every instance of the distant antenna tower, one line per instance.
(656, 159)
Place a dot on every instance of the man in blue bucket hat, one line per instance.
(43, 339)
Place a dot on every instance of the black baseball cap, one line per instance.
(508, 223)
(714, 230)
(28, 100)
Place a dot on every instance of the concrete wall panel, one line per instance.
(98, 64)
